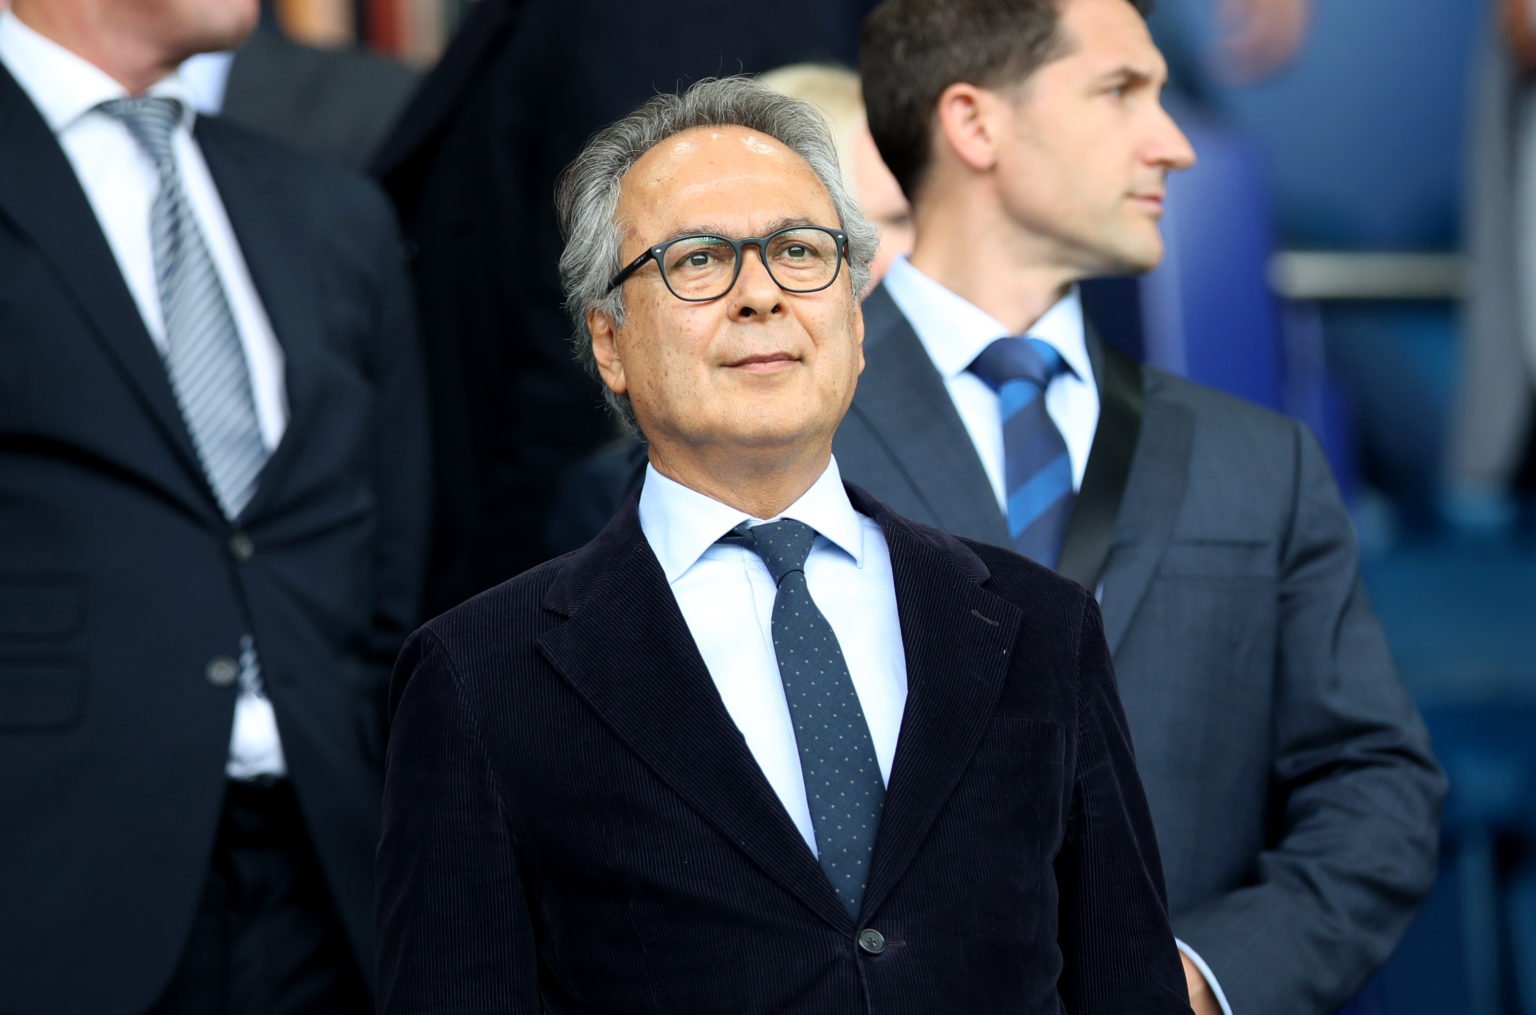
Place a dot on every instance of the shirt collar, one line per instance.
(206, 78)
(63, 85)
(681, 524)
(954, 330)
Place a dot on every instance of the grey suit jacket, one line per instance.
(1290, 778)
(334, 103)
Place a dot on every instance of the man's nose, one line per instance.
(755, 291)
(1170, 147)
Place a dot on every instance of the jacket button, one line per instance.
(871, 941)
(241, 547)
(222, 671)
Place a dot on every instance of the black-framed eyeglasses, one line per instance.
(799, 259)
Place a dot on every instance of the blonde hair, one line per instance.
(837, 96)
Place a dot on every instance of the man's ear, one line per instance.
(858, 331)
(605, 349)
(967, 126)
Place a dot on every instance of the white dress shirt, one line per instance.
(954, 331)
(120, 181)
(725, 593)
(206, 78)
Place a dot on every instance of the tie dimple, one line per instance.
(151, 119)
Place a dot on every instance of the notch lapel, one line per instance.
(956, 637)
(40, 193)
(259, 88)
(627, 652)
(902, 400)
(1153, 496)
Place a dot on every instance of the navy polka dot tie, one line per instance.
(1037, 471)
(837, 757)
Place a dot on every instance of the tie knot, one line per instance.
(784, 545)
(151, 119)
(1018, 359)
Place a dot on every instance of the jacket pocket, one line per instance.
(41, 606)
(1218, 558)
(38, 695)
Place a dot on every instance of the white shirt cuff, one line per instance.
(1205, 971)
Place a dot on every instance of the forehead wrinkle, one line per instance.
(715, 229)
(657, 188)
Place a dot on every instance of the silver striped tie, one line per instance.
(204, 357)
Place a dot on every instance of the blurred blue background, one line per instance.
(1329, 220)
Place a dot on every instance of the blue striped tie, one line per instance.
(204, 357)
(843, 785)
(1038, 471)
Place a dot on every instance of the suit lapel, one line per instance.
(257, 85)
(625, 648)
(254, 198)
(956, 637)
(902, 398)
(1132, 489)
(1154, 493)
(40, 193)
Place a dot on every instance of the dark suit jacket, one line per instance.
(120, 582)
(1289, 775)
(337, 104)
(572, 818)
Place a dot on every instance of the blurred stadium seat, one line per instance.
(1472, 949)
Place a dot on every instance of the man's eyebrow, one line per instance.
(1126, 74)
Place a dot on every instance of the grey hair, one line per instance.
(588, 195)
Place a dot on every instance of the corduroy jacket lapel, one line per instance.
(956, 637)
(626, 649)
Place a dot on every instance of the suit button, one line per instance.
(241, 547)
(222, 671)
(871, 941)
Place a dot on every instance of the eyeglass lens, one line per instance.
(704, 267)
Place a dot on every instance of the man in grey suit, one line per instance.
(1291, 783)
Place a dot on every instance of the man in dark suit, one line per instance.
(212, 458)
(1289, 776)
(763, 745)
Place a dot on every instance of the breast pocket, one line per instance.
(1218, 558)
